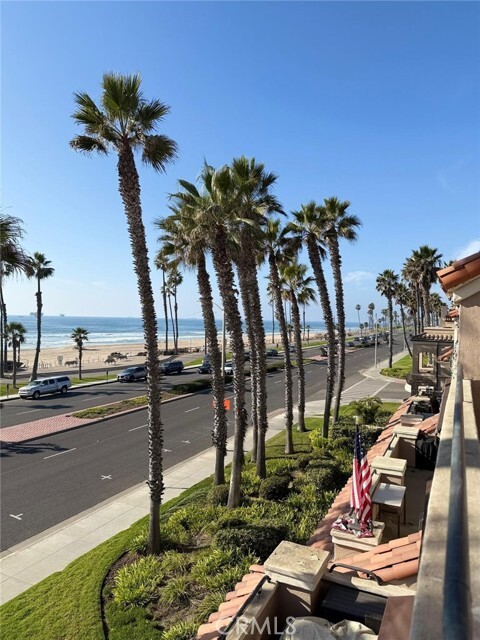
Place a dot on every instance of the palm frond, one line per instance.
(87, 144)
(149, 114)
(121, 97)
(158, 151)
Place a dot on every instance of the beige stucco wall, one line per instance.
(469, 337)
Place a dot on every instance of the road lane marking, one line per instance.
(87, 400)
(167, 451)
(19, 517)
(186, 441)
(60, 453)
(29, 411)
(194, 409)
(278, 382)
(140, 427)
(106, 477)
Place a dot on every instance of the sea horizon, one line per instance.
(113, 330)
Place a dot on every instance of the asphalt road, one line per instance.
(48, 480)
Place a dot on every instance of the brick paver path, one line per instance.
(39, 428)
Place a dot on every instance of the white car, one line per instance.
(228, 369)
(37, 388)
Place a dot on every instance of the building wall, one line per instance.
(469, 337)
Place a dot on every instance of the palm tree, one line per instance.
(276, 249)
(308, 225)
(429, 261)
(358, 307)
(184, 243)
(214, 210)
(79, 336)
(339, 225)
(13, 260)
(371, 309)
(15, 335)
(39, 268)
(254, 200)
(402, 297)
(387, 282)
(295, 284)
(127, 124)
(436, 305)
(162, 264)
(175, 279)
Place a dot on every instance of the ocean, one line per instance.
(56, 330)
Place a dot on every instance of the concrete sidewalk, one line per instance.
(33, 560)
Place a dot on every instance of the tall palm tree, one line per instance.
(339, 224)
(214, 210)
(296, 286)
(162, 264)
(371, 309)
(402, 297)
(429, 261)
(13, 260)
(308, 225)
(39, 268)
(436, 305)
(126, 123)
(276, 249)
(15, 335)
(79, 336)
(254, 201)
(181, 240)
(358, 307)
(387, 282)
(175, 279)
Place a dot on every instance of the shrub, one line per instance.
(346, 429)
(365, 409)
(175, 562)
(181, 631)
(213, 562)
(280, 467)
(218, 495)
(319, 442)
(274, 488)
(329, 477)
(136, 584)
(224, 581)
(250, 483)
(303, 461)
(210, 604)
(139, 543)
(256, 539)
(176, 591)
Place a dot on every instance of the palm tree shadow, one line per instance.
(13, 448)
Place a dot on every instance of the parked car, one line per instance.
(174, 366)
(271, 353)
(228, 369)
(291, 348)
(323, 351)
(132, 373)
(246, 356)
(42, 386)
(205, 367)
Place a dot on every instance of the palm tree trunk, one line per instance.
(80, 356)
(39, 331)
(390, 337)
(226, 286)
(316, 263)
(336, 262)
(297, 329)
(165, 309)
(402, 313)
(2, 330)
(129, 187)
(14, 347)
(175, 310)
(219, 432)
(173, 323)
(282, 323)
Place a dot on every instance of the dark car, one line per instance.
(323, 351)
(174, 366)
(271, 353)
(205, 367)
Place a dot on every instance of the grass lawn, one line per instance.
(400, 369)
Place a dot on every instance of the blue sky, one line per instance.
(377, 103)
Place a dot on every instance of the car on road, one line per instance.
(174, 366)
(42, 386)
(271, 353)
(130, 374)
(205, 367)
(228, 369)
(323, 351)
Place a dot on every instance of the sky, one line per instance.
(377, 103)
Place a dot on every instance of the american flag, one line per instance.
(360, 500)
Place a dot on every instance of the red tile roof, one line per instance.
(459, 272)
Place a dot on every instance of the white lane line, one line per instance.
(140, 427)
(106, 477)
(20, 413)
(87, 400)
(19, 517)
(60, 453)
(278, 382)
(194, 409)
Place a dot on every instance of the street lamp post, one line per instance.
(223, 337)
